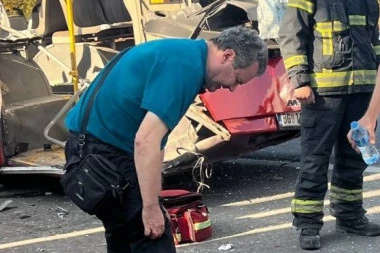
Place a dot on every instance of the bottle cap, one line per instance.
(354, 125)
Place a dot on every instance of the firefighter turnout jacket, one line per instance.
(331, 45)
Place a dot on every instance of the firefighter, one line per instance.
(142, 99)
(331, 51)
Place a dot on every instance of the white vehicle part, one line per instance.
(269, 17)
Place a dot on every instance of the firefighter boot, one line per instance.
(359, 226)
(310, 239)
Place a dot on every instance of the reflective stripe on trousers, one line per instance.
(324, 125)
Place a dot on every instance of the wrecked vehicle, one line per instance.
(41, 68)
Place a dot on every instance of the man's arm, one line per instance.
(373, 110)
(148, 159)
(368, 120)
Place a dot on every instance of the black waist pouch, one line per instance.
(92, 182)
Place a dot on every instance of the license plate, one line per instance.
(289, 119)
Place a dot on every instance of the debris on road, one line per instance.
(4, 205)
(24, 216)
(61, 212)
(225, 247)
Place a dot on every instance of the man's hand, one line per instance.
(368, 123)
(153, 220)
(148, 160)
(304, 94)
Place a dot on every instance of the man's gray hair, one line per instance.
(247, 44)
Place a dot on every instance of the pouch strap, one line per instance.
(107, 70)
(86, 116)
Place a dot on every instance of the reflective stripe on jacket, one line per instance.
(332, 45)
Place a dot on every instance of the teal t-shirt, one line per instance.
(162, 76)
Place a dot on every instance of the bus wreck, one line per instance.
(46, 63)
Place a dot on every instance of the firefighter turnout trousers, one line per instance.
(324, 125)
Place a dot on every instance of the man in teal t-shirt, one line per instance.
(145, 93)
(150, 77)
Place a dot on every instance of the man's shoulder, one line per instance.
(170, 43)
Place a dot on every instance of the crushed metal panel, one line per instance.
(181, 139)
(46, 170)
(166, 28)
(249, 6)
(31, 83)
(251, 125)
(91, 59)
(173, 24)
(53, 157)
(182, 23)
(25, 122)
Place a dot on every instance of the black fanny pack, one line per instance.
(93, 181)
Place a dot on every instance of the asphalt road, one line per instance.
(248, 200)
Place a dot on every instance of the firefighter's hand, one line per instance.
(304, 94)
(368, 123)
(153, 220)
(351, 141)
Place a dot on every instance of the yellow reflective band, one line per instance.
(343, 78)
(377, 50)
(357, 20)
(202, 225)
(327, 70)
(339, 26)
(157, 1)
(326, 28)
(302, 4)
(307, 206)
(339, 194)
(327, 46)
(295, 61)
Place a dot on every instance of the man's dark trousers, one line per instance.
(124, 230)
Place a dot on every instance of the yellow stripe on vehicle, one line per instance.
(306, 206)
(295, 60)
(302, 4)
(357, 20)
(157, 1)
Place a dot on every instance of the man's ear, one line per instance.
(228, 55)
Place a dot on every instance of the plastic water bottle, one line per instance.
(360, 135)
